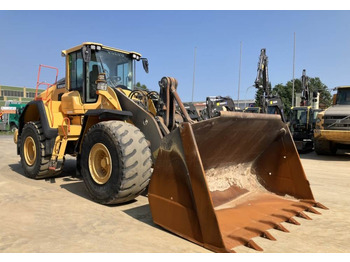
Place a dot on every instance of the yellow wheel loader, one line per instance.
(218, 182)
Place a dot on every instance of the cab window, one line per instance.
(76, 71)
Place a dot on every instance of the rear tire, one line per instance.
(325, 147)
(32, 151)
(115, 162)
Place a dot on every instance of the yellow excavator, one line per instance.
(218, 182)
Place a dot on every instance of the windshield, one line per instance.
(117, 67)
(273, 110)
(252, 110)
(299, 116)
(343, 96)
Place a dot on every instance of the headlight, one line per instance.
(101, 86)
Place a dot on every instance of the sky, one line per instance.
(169, 38)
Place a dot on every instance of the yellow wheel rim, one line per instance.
(100, 163)
(29, 151)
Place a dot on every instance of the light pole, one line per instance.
(194, 70)
(239, 74)
(293, 71)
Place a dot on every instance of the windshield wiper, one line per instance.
(101, 62)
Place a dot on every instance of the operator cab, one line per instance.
(343, 95)
(87, 63)
(252, 110)
(303, 117)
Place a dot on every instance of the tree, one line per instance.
(315, 84)
(259, 94)
(142, 87)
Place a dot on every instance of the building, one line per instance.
(242, 104)
(21, 94)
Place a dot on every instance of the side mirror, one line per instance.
(145, 64)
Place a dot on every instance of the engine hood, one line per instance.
(338, 110)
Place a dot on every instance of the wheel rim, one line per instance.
(29, 151)
(100, 163)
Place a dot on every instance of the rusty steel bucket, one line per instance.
(223, 181)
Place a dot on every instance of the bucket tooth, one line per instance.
(289, 220)
(253, 245)
(303, 215)
(293, 221)
(274, 225)
(259, 232)
(303, 206)
(298, 213)
(281, 228)
(312, 210)
(315, 204)
(307, 208)
(266, 234)
(318, 204)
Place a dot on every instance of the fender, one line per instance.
(35, 111)
(37, 106)
(99, 115)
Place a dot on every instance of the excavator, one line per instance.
(303, 117)
(218, 183)
(270, 104)
(216, 104)
(192, 111)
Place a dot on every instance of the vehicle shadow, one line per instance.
(69, 169)
(142, 214)
(342, 155)
(68, 180)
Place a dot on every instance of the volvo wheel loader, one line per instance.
(218, 182)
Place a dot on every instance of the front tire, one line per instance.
(325, 147)
(115, 162)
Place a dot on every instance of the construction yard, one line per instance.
(56, 214)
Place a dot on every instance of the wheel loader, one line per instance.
(218, 183)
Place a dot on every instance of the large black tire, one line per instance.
(33, 159)
(324, 147)
(125, 148)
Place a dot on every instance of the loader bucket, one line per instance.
(223, 181)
